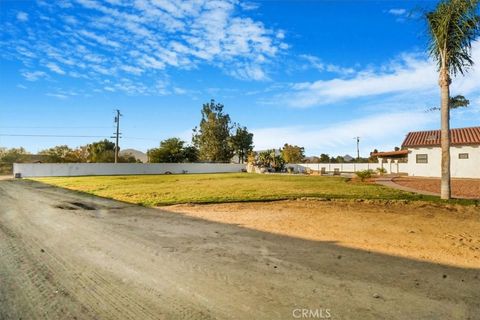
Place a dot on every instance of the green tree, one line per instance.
(13, 155)
(292, 154)
(324, 158)
(372, 158)
(60, 154)
(241, 143)
(101, 151)
(453, 25)
(170, 151)
(128, 158)
(211, 138)
(190, 154)
(340, 159)
(80, 154)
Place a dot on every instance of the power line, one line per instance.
(69, 136)
(358, 147)
(41, 127)
(117, 133)
(48, 136)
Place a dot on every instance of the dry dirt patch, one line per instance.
(61, 260)
(461, 188)
(442, 234)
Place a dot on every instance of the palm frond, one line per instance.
(453, 25)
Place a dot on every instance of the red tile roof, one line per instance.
(398, 153)
(459, 136)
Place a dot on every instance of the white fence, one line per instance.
(100, 169)
(391, 167)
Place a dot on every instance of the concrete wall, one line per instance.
(460, 168)
(98, 169)
(350, 167)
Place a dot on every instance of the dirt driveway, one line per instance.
(70, 256)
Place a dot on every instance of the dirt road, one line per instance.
(70, 256)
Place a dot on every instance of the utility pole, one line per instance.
(358, 147)
(117, 133)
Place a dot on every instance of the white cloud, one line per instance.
(22, 16)
(55, 68)
(133, 70)
(402, 14)
(179, 91)
(408, 74)
(89, 39)
(412, 76)
(247, 6)
(398, 11)
(151, 63)
(57, 95)
(34, 75)
(316, 63)
(383, 132)
(253, 71)
(100, 39)
(110, 89)
(70, 20)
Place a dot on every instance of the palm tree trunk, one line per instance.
(444, 82)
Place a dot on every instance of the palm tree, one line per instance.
(453, 25)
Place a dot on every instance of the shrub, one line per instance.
(365, 174)
(268, 159)
(381, 170)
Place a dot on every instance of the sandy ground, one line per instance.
(418, 230)
(461, 188)
(69, 256)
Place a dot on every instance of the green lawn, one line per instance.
(158, 190)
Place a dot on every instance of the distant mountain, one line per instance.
(348, 158)
(136, 153)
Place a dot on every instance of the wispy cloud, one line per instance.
(383, 132)
(318, 64)
(249, 6)
(402, 14)
(100, 39)
(57, 95)
(113, 39)
(55, 68)
(398, 11)
(22, 16)
(409, 73)
(34, 75)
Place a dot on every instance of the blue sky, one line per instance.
(311, 73)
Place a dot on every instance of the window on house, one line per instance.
(463, 156)
(422, 158)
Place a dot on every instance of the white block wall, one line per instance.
(350, 167)
(460, 168)
(99, 169)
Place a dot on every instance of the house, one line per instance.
(424, 153)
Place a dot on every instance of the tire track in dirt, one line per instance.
(65, 255)
(114, 301)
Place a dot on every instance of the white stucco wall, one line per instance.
(96, 169)
(351, 167)
(330, 167)
(460, 168)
